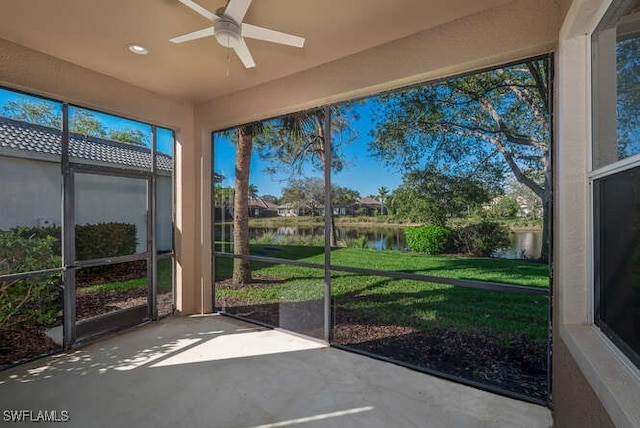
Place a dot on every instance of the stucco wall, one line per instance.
(31, 195)
(30, 192)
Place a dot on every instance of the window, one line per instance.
(616, 179)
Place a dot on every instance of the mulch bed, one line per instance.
(519, 366)
(28, 343)
(20, 345)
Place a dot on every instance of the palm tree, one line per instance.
(382, 194)
(300, 138)
(252, 191)
(244, 145)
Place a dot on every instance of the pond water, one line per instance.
(524, 244)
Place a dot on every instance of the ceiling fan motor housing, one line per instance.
(227, 32)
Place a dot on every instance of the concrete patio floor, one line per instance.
(214, 371)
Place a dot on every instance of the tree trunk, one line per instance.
(334, 235)
(546, 228)
(241, 270)
(546, 216)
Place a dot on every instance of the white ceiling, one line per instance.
(95, 35)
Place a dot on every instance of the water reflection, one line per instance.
(524, 243)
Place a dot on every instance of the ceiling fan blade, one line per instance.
(199, 9)
(243, 53)
(261, 33)
(236, 9)
(205, 32)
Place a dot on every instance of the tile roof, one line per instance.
(368, 201)
(33, 138)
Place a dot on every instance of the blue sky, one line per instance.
(362, 172)
(165, 136)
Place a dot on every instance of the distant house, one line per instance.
(528, 207)
(261, 208)
(368, 206)
(292, 210)
(30, 173)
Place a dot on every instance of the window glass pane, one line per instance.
(30, 109)
(164, 192)
(466, 158)
(617, 246)
(164, 232)
(165, 286)
(111, 216)
(110, 288)
(105, 140)
(31, 183)
(285, 198)
(616, 51)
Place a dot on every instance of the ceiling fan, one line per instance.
(229, 30)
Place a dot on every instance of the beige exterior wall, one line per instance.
(37, 73)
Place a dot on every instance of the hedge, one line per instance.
(93, 241)
(429, 239)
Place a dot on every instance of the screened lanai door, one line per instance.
(112, 249)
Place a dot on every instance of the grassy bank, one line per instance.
(416, 304)
(381, 221)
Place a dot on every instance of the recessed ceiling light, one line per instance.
(138, 50)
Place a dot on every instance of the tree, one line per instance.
(313, 188)
(222, 196)
(476, 125)
(307, 192)
(241, 268)
(432, 196)
(130, 136)
(83, 122)
(80, 121)
(503, 208)
(343, 195)
(272, 199)
(628, 96)
(382, 195)
(298, 139)
(38, 112)
(529, 203)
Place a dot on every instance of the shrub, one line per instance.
(55, 232)
(31, 302)
(95, 241)
(505, 207)
(430, 239)
(481, 239)
(359, 242)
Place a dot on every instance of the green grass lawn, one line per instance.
(164, 281)
(422, 305)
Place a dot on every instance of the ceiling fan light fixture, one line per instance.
(227, 32)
